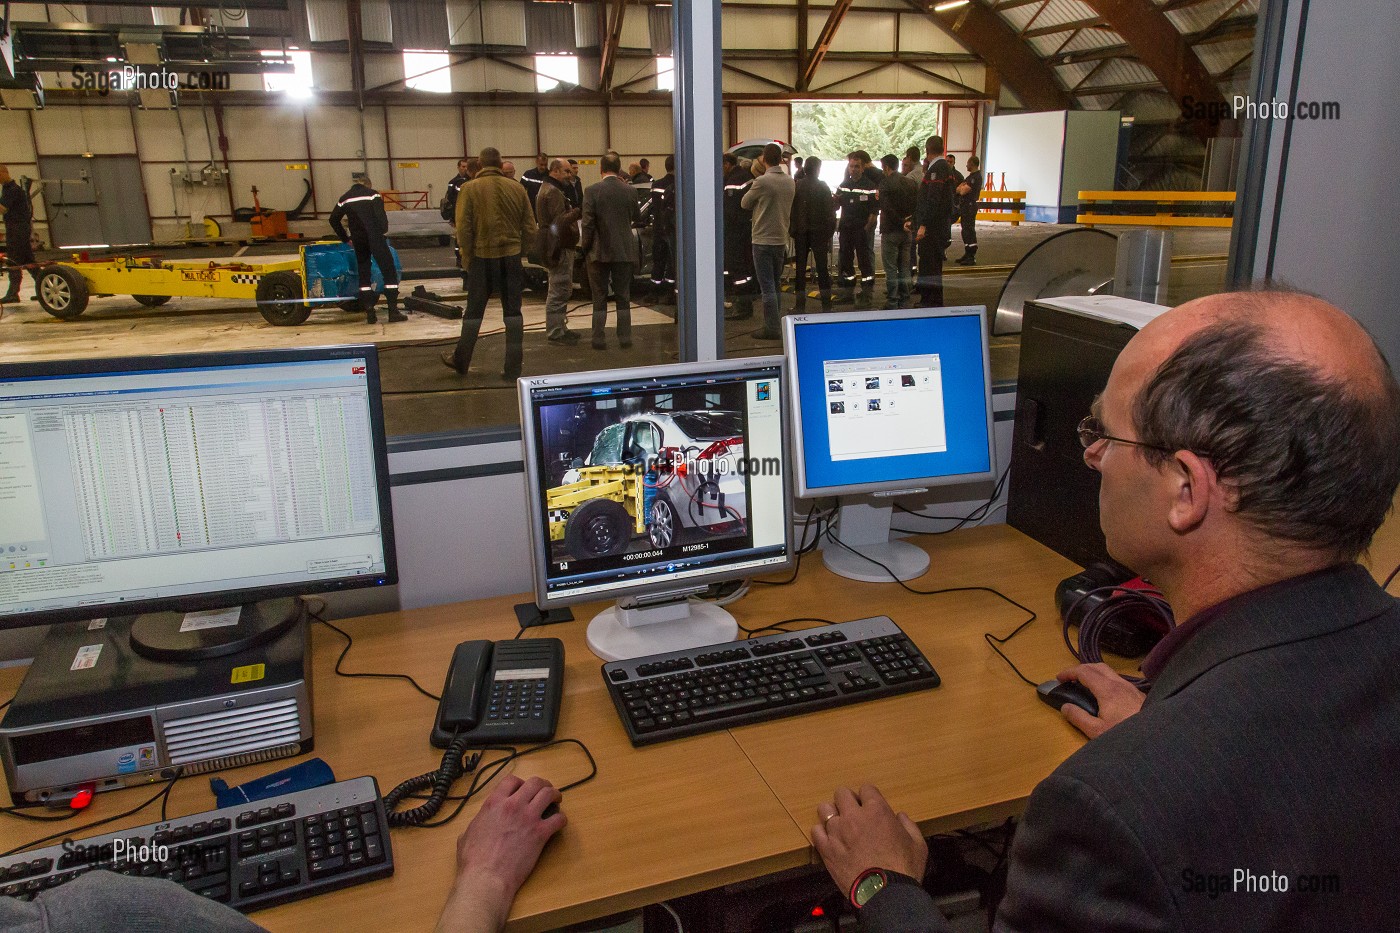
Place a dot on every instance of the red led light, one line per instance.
(818, 912)
(81, 799)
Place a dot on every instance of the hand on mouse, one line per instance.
(497, 852)
(860, 831)
(1118, 698)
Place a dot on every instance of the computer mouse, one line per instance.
(549, 811)
(1056, 693)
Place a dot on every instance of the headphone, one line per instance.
(1114, 610)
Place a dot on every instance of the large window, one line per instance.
(295, 84)
(553, 70)
(427, 71)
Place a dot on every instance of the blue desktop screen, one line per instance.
(887, 400)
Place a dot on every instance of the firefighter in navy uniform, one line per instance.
(932, 224)
(364, 208)
(448, 207)
(738, 239)
(19, 228)
(972, 182)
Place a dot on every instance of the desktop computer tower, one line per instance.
(1068, 347)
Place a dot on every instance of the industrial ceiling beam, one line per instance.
(989, 37)
(611, 41)
(1160, 46)
(824, 40)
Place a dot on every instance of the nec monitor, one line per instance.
(885, 403)
(648, 485)
(171, 484)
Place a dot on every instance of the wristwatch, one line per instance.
(868, 883)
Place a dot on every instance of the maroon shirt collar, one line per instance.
(1159, 656)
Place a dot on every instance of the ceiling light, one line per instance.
(949, 5)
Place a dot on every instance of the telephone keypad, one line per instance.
(517, 699)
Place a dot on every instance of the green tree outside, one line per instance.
(831, 130)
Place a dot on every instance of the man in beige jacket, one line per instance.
(494, 222)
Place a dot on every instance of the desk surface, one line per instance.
(693, 814)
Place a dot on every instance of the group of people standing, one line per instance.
(549, 215)
(914, 203)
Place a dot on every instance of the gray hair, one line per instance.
(556, 164)
(1312, 459)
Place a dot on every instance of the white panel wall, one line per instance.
(638, 131)
(859, 32)
(760, 29)
(509, 129)
(576, 132)
(1091, 153)
(16, 142)
(636, 34)
(425, 132)
(1028, 147)
(919, 33)
(70, 131)
(761, 122)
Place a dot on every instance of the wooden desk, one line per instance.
(693, 814)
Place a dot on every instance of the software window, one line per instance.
(885, 407)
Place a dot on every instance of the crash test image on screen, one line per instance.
(645, 475)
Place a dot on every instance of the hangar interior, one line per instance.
(280, 102)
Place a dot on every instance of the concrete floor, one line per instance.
(423, 396)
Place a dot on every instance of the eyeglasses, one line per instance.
(1091, 431)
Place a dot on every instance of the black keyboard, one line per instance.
(666, 696)
(249, 857)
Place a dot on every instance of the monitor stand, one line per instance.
(179, 636)
(863, 526)
(638, 627)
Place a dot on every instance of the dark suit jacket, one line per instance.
(609, 211)
(1270, 743)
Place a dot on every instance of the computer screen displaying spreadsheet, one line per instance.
(151, 483)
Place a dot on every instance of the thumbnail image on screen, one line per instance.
(663, 477)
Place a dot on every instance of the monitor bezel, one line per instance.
(228, 597)
(799, 472)
(534, 493)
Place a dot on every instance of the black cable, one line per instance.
(1388, 580)
(1116, 601)
(160, 795)
(422, 816)
(991, 639)
(803, 546)
(17, 813)
(778, 626)
(456, 761)
(349, 642)
(984, 509)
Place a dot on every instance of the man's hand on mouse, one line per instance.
(497, 852)
(1118, 698)
(859, 830)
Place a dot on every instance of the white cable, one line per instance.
(680, 927)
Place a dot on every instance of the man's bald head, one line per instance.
(1291, 401)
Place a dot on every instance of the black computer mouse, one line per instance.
(549, 811)
(1056, 693)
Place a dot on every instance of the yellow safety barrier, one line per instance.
(1007, 207)
(1158, 200)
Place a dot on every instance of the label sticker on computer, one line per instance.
(96, 624)
(126, 764)
(210, 618)
(248, 673)
(86, 657)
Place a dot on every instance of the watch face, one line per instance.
(868, 886)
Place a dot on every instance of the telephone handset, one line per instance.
(501, 692)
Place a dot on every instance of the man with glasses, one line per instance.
(1249, 448)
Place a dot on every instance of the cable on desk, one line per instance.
(1390, 579)
(781, 626)
(456, 761)
(991, 639)
(162, 795)
(480, 778)
(315, 615)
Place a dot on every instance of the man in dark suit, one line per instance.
(610, 212)
(1249, 447)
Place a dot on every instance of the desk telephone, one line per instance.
(498, 693)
